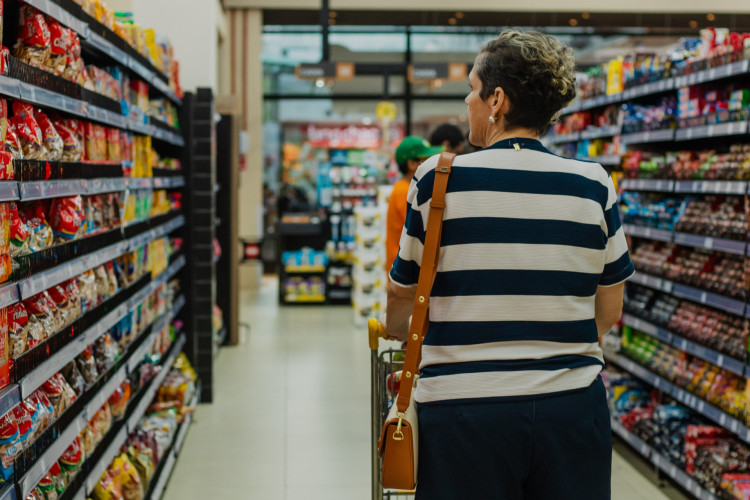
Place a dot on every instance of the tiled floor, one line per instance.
(291, 416)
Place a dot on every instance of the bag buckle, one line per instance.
(398, 435)
(444, 169)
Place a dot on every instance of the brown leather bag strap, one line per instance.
(430, 255)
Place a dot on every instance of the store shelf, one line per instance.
(714, 357)
(708, 131)
(648, 232)
(650, 88)
(675, 473)
(684, 397)
(656, 185)
(720, 244)
(648, 328)
(651, 281)
(666, 135)
(603, 160)
(10, 396)
(8, 492)
(712, 187)
(131, 424)
(563, 138)
(305, 270)
(712, 74)
(8, 191)
(65, 271)
(599, 132)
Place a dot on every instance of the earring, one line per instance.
(492, 120)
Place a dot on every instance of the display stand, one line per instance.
(294, 232)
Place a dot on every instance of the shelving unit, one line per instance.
(39, 180)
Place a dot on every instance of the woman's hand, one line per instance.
(398, 312)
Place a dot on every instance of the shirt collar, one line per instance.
(523, 143)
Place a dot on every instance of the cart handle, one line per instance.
(375, 331)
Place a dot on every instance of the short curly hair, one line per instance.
(535, 70)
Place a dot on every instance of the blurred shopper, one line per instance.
(409, 156)
(450, 137)
(531, 271)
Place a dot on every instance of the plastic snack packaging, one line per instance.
(59, 478)
(51, 139)
(88, 293)
(74, 298)
(72, 460)
(3, 119)
(51, 306)
(34, 495)
(45, 407)
(22, 417)
(88, 441)
(114, 153)
(102, 284)
(141, 458)
(33, 46)
(55, 393)
(112, 279)
(72, 147)
(28, 131)
(66, 218)
(74, 377)
(18, 328)
(46, 488)
(44, 416)
(132, 488)
(19, 232)
(59, 41)
(40, 312)
(12, 143)
(40, 233)
(87, 366)
(69, 395)
(105, 353)
(118, 404)
(10, 446)
(62, 302)
(108, 488)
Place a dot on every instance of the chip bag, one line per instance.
(72, 147)
(28, 130)
(47, 488)
(10, 446)
(72, 460)
(66, 217)
(22, 417)
(33, 45)
(18, 329)
(59, 41)
(12, 143)
(52, 142)
(40, 233)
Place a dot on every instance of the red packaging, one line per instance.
(35, 215)
(19, 232)
(72, 459)
(72, 147)
(58, 47)
(12, 143)
(3, 119)
(33, 46)
(10, 446)
(51, 139)
(23, 419)
(66, 217)
(18, 319)
(4, 55)
(28, 130)
(40, 310)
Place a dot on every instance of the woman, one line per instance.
(532, 266)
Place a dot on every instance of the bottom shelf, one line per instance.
(663, 464)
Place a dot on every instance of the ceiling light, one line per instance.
(585, 15)
(333, 14)
(573, 22)
(459, 15)
(693, 24)
(320, 84)
(331, 21)
(710, 17)
(452, 20)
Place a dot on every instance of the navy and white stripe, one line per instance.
(527, 238)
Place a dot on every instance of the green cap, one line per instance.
(415, 148)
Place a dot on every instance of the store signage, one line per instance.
(347, 136)
(325, 71)
(426, 72)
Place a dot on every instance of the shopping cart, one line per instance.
(382, 366)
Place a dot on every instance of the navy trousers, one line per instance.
(555, 447)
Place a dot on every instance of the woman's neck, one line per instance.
(500, 135)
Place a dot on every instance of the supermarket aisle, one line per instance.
(286, 426)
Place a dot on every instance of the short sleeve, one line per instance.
(617, 265)
(405, 270)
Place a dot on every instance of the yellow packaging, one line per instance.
(614, 76)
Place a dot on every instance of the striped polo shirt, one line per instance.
(528, 236)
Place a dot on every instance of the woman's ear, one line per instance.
(498, 102)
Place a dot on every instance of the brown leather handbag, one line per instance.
(398, 444)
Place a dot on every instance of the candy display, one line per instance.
(689, 165)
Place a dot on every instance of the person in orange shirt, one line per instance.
(410, 154)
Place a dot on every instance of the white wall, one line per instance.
(193, 26)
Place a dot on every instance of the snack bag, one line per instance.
(57, 61)
(51, 139)
(87, 366)
(113, 286)
(72, 460)
(18, 328)
(132, 488)
(105, 353)
(102, 284)
(10, 446)
(55, 393)
(45, 418)
(33, 45)
(36, 420)
(72, 56)
(39, 311)
(22, 417)
(88, 293)
(12, 143)
(45, 408)
(108, 488)
(69, 395)
(19, 232)
(74, 377)
(62, 303)
(59, 478)
(88, 441)
(28, 131)
(72, 147)
(114, 152)
(74, 298)
(46, 488)
(40, 233)
(6, 166)
(66, 217)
